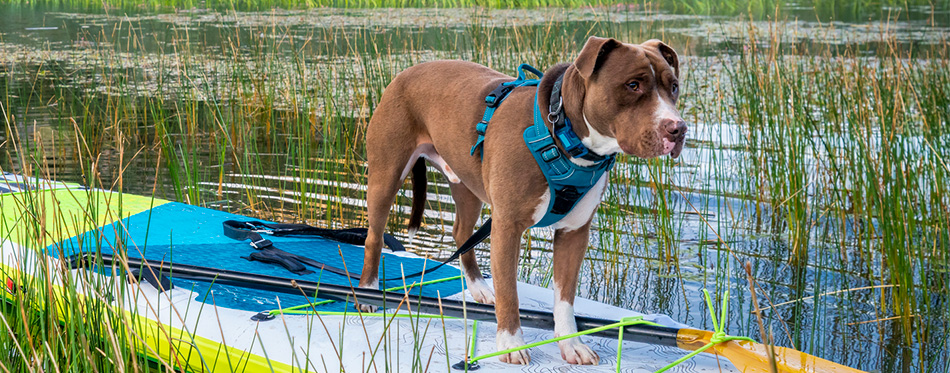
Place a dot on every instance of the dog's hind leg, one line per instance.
(390, 150)
(569, 249)
(467, 209)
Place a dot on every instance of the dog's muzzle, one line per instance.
(674, 135)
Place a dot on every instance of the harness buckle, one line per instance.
(253, 227)
(481, 127)
(261, 243)
(498, 94)
(572, 143)
(565, 199)
(549, 153)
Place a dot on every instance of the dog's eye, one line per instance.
(676, 87)
(634, 86)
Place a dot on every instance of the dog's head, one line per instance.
(626, 94)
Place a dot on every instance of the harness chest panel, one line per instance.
(567, 181)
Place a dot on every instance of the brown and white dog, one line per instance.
(619, 98)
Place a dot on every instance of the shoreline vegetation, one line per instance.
(818, 153)
(757, 8)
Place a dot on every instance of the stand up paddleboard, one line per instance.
(193, 301)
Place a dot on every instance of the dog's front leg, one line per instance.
(569, 249)
(505, 251)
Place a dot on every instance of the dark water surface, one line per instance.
(262, 113)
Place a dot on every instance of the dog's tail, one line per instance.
(418, 196)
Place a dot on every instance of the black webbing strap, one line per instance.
(267, 253)
(290, 262)
(153, 276)
(249, 230)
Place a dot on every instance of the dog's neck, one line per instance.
(572, 93)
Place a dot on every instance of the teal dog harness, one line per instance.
(568, 182)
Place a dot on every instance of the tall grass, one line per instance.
(850, 151)
(44, 327)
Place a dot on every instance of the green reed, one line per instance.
(842, 151)
(42, 331)
(854, 9)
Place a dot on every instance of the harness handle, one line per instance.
(522, 75)
(499, 94)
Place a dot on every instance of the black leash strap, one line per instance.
(250, 230)
(480, 235)
(267, 253)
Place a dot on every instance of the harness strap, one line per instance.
(562, 127)
(267, 253)
(495, 98)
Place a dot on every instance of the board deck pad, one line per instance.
(194, 235)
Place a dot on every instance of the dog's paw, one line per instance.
(517, 357)
(576, 352)
(504, 341)
(367, 308)
(481, 291)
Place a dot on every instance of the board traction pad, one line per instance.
(179, 233)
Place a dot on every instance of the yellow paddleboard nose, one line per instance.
(751, 357)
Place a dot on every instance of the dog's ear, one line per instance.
(593, 55)
(666, 52)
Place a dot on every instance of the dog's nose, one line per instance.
(675, 128)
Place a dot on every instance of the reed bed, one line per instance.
(45, 329)
(825, 166)
(848, 153)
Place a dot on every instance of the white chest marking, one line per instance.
(542, 206)
(581, 212)
(599, 143)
